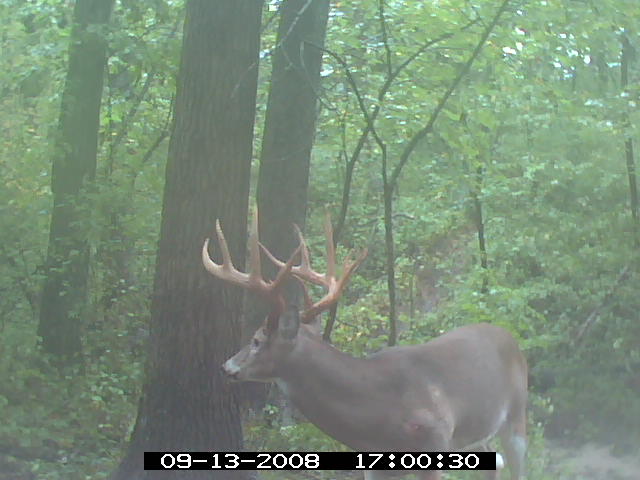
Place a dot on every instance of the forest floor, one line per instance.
(566, 462)
(592, 462)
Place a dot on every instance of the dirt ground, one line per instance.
(592, 462)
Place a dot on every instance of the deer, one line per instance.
(455, 392)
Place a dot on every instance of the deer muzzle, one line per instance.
(231, 370)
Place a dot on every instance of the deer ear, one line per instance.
(290, 322)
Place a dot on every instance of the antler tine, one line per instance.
(308, 302)
(304, 259)
(227, 263)
(331, 249)
(227, 270)
(255, 265)
(253, 279)
(209, 264)
(334, 287)
(285, 269)
(303, 272)
(304, 265)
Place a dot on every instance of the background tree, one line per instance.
(139, 97)
(625, 59)
(74, 166)
(186, 404)
(289, 132)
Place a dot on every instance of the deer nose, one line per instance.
(230, 372)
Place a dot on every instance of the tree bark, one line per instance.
(73, 169)
(186, 402)
(289, 132)
(289, 129)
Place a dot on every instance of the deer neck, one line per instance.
(316, 366)
(330, 388)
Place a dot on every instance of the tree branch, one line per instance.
(413, 143)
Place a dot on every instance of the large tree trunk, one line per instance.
(74, 167)
(288, 137)
(186, 403)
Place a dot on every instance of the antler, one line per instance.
(253, 280)
(328, 280)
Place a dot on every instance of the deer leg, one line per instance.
(495, 474)
(514, 443)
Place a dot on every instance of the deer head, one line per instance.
(271, 345)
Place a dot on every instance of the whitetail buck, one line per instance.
(455, 392)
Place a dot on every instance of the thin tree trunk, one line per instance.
(74, 166)
(289, 132)
(628, 145)
(478, 218)
(289, 129)
(390, 260)
(390, 180)
(186, 403)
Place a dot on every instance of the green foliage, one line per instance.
(540, 114)
(65, 424)
(72, 424)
